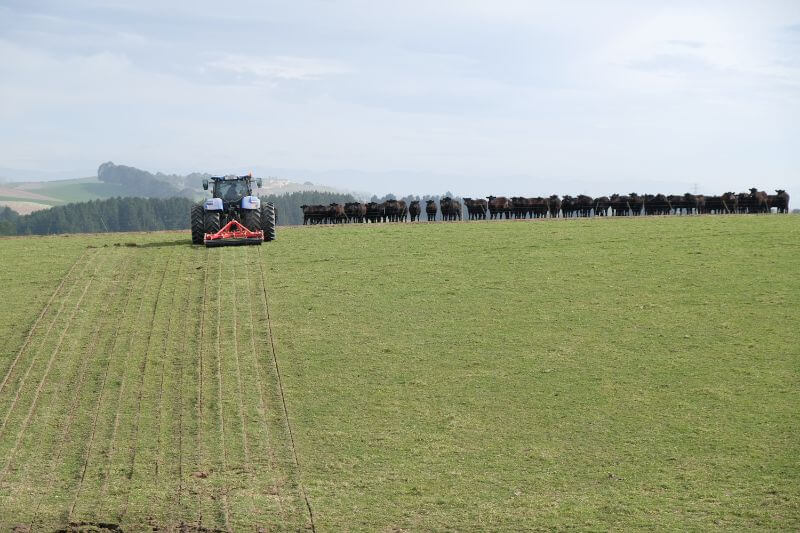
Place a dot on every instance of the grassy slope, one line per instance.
(81, 190)
(66, 191)
(600, 373)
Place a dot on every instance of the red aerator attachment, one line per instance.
(232, 234)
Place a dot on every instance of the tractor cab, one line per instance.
(231, 189)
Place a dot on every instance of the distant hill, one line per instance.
(125, 181)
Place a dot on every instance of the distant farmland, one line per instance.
(588, 374)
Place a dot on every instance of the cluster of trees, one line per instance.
(8, 220)
(140, 214)
(98, 216)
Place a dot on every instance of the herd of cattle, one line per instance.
(551, 207)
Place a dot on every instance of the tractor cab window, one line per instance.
(230, 191)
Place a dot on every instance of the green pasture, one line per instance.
(595, 374)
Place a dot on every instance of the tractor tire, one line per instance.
(211, 223)
(197, 224)
(252, 220)
(268, 221)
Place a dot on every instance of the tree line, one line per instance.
(140, 214)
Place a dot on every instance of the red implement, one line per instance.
(233, 233)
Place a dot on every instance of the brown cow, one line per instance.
(336, 213)
(730, 201)
(759, 201)
(499, 206)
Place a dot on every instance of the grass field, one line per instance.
(588, 374)
(61, 191)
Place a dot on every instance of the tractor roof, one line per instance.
(231, 177)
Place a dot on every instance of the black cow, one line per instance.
(414, 210)
(355, 211)
(779, 201)
(374, 212)
(600, 206)
(314, 214)
(430, 210)
(554, 205)
(451, 209)
(476, 209)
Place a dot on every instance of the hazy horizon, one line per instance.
(511, 97)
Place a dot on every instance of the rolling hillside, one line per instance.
(589, 374)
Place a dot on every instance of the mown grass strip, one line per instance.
(135, 445)
(34, 402)
(36, 322)
(27, 470)
(283, 396)
(112, 488)
(268, 492)
(104, 336)
(45, 338)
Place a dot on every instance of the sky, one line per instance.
(475, 97)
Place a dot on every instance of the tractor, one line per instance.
(233, 215)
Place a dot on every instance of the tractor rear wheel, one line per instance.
(211, 222)
(268, 221)
(197, 224)
(252, 220)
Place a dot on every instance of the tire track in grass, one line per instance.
(142, 371)
(225, 511)
(283, 396)
(45, 336)
(56, 458)
(36, 322)
(247, 465)
(261, 388)
(177, 514)
(200, 453)
(53, 354)
(120, 395)
(164, 355)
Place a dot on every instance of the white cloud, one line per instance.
(278, 67)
